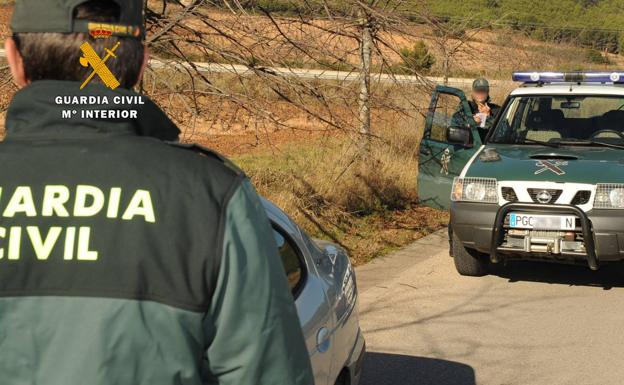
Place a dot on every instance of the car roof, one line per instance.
(569, 89)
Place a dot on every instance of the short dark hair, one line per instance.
(56, 56)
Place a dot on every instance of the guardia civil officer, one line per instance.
(483, 111)
(123, 259)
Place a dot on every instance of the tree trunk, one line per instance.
(446, 68)
(366, 49)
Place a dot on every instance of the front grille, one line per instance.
(509, 194)
(582, 197)
(534, 193)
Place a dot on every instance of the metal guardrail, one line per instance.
(319, 74)
(314, 74)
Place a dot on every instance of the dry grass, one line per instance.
(312, 170)
(368, 206)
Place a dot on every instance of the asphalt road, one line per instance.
(313, 74)
(528, 323)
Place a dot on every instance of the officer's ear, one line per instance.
(16, 63)
(146, 57)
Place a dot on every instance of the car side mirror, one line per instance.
(458, 135)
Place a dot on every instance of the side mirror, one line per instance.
(458, 135)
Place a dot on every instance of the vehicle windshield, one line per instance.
(562, 121)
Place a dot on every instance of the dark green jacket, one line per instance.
(460, 119)
(494, 110)
(124, 260)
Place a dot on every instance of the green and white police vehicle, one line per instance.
(545, 183)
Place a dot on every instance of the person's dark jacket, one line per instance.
(494, 110)
(126, 260)
(460, 119)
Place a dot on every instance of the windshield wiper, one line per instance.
(532, 141)
(584, 142)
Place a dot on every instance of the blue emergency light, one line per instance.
(569, 77)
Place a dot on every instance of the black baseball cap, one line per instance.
(58, 16)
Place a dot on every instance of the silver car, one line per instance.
(323, 282)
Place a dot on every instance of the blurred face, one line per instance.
(480, 95)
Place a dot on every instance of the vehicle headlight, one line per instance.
(609, 196)
(484, 190)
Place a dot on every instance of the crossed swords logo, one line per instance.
(553, 166)
(91, 58)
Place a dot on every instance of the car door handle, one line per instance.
(425, 151)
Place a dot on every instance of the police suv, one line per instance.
(545, 183)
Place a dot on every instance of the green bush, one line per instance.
(418, 58)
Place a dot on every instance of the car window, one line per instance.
(448, 112)
(291, 259)
(561, 118)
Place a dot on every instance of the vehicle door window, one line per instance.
(291, 260)
(448, 112)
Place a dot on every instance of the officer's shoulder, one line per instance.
(209, 153)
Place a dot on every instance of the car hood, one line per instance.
(537, 163)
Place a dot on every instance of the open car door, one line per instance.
(450, 140)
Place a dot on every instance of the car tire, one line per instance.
(468, 262)
(343, 379)
(450, 239)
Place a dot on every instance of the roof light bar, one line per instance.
(569, 77)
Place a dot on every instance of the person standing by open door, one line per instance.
(483, 110)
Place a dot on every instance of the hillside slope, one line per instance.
(589, 23)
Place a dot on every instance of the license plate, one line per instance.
(542, 222)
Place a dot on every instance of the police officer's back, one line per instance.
(123, 259)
